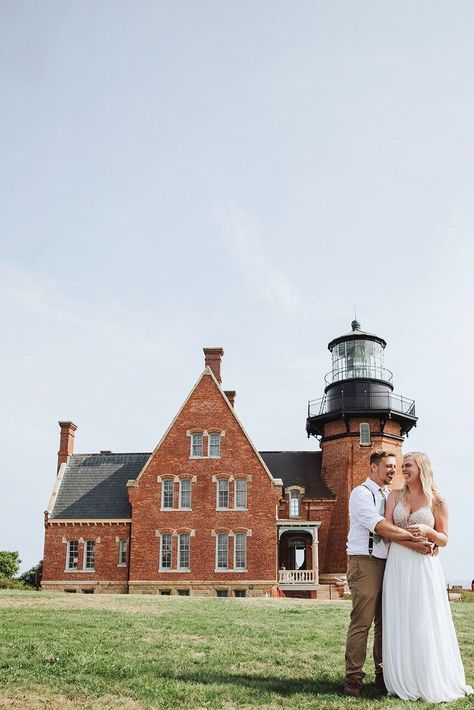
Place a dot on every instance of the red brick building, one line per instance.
(206, 513)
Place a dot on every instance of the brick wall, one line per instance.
(206, 410)
(108, 575)
(345, 464)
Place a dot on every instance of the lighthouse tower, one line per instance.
(358, 413)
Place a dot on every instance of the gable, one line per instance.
(205, 409)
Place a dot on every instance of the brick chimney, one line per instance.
(213, 359)
(66, 441)
(230, 394)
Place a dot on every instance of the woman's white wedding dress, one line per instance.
(421, 658)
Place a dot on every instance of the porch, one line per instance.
(298, 556)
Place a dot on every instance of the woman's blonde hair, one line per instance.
(426, 477)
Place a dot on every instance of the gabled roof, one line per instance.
(207, 372)
(299, 468)
(94, 486)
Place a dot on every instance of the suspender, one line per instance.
(371, 534)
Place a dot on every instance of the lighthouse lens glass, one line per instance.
(357, 358)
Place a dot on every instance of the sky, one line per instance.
(242, 174)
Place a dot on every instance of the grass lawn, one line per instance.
(92, 651)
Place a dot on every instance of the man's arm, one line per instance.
(392, 532)
(422, 545)
(361, 505)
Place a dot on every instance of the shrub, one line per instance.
(9, 583)
(33, 576)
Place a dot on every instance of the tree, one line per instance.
(9, 563)
(33, 576)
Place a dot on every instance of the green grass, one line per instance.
(71, 651)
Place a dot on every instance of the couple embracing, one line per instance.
(397, 583)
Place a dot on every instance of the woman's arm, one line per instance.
(423, 546)
(439, 534)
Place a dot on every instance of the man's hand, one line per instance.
(425, 547)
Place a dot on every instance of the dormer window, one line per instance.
(295, 495)
(196, 445)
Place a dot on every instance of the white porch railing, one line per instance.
(296, 576)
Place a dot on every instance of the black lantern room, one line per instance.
(359, 385)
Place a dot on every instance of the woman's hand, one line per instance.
(420, 530)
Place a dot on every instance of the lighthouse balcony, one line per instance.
(353, 402)
(352, 398)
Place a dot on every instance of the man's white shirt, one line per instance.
(364, 516)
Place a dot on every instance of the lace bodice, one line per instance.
(403, 519)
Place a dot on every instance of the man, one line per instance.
(367, 553)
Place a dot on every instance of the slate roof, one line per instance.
(301, 468)
(94, 486)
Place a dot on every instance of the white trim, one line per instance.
(160, 568)
(220, 507)
(226, 568)
(190, 507)
(57, 486)
(366, 426)
(163, 508)
(240, 569)
(68, 553)
(88, 521)
(241, 508)
(192, 435)
(84, 556)
(210, 434)
(178, 567)
(120, 545)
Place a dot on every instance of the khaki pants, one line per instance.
(364, 577)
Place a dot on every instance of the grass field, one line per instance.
(93, 651)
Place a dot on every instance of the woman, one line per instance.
(421, 657)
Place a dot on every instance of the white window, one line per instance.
(214, 445)
(196, 445)
(122, 552)
(168, 490)
(240, 498)
(89, 555)
(165, 551)
(185, 493)
(72, 555)
(184, 551)
(222, 493)
(364, 430)
(222, 551)
(294, 504)
(240, 551)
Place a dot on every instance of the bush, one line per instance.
(9, 583)
(32, 578)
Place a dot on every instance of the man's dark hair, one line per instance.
(376, 456)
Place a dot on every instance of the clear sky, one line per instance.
(238, 174)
